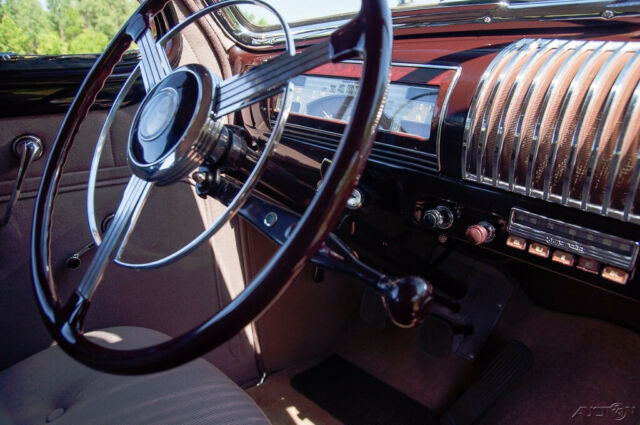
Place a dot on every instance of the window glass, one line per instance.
(55, 27)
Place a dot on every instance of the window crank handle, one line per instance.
(74, 261)
(28, 149)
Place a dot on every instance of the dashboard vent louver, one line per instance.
(560, 120)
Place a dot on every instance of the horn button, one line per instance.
(173, 130)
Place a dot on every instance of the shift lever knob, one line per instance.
(407, 299)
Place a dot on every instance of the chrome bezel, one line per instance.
(605, 256)
(442, 114)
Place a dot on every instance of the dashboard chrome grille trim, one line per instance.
(559, 120)
(605, 128)
(543, 44)
(621, 142)
(506, 72)
(634, 109)
(563, 115)
(535, 140)
(466, 147)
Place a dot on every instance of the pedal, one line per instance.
(510, 364)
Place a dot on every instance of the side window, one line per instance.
(60, 27)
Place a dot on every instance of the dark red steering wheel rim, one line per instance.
(373, 21)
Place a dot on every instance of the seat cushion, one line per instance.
(51, 387)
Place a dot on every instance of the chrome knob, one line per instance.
(356, 200)
(480, 233)
(440, 217)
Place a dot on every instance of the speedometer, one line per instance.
(408, 111)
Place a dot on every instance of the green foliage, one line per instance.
(60, 26)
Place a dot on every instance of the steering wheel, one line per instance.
(176, 128)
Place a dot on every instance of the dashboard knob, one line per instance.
(432, 219)
(438, 218)
(480, 233)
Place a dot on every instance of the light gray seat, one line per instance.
(50, 387)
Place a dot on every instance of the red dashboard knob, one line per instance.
(480, 233)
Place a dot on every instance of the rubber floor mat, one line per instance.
(356, 398)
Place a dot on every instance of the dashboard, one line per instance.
(528, 147)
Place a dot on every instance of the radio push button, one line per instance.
(563, 258)
(517, 242)
(616, 275)
(589, 265)
(539, 250)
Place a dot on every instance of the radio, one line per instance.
(592, 246)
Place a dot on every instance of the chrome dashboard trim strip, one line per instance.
(468, 127)
(484, 130)
(630, 110)
(578, 80)
(596, 85)
(633, 109)
(546, 44)
(612, 97)
(517, 141)
(553, 151)
(635, 180)
(602, 118)
(535, 141)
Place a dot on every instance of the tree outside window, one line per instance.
(55, 27)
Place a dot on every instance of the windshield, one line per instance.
(296, 11)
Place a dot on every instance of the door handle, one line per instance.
(28, 148)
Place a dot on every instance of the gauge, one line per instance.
(409, 109)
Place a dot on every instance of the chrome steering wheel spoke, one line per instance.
(268, 79)
(116, 236)
(155, 63)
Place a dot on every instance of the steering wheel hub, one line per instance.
(158, 113)
(173, 130)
